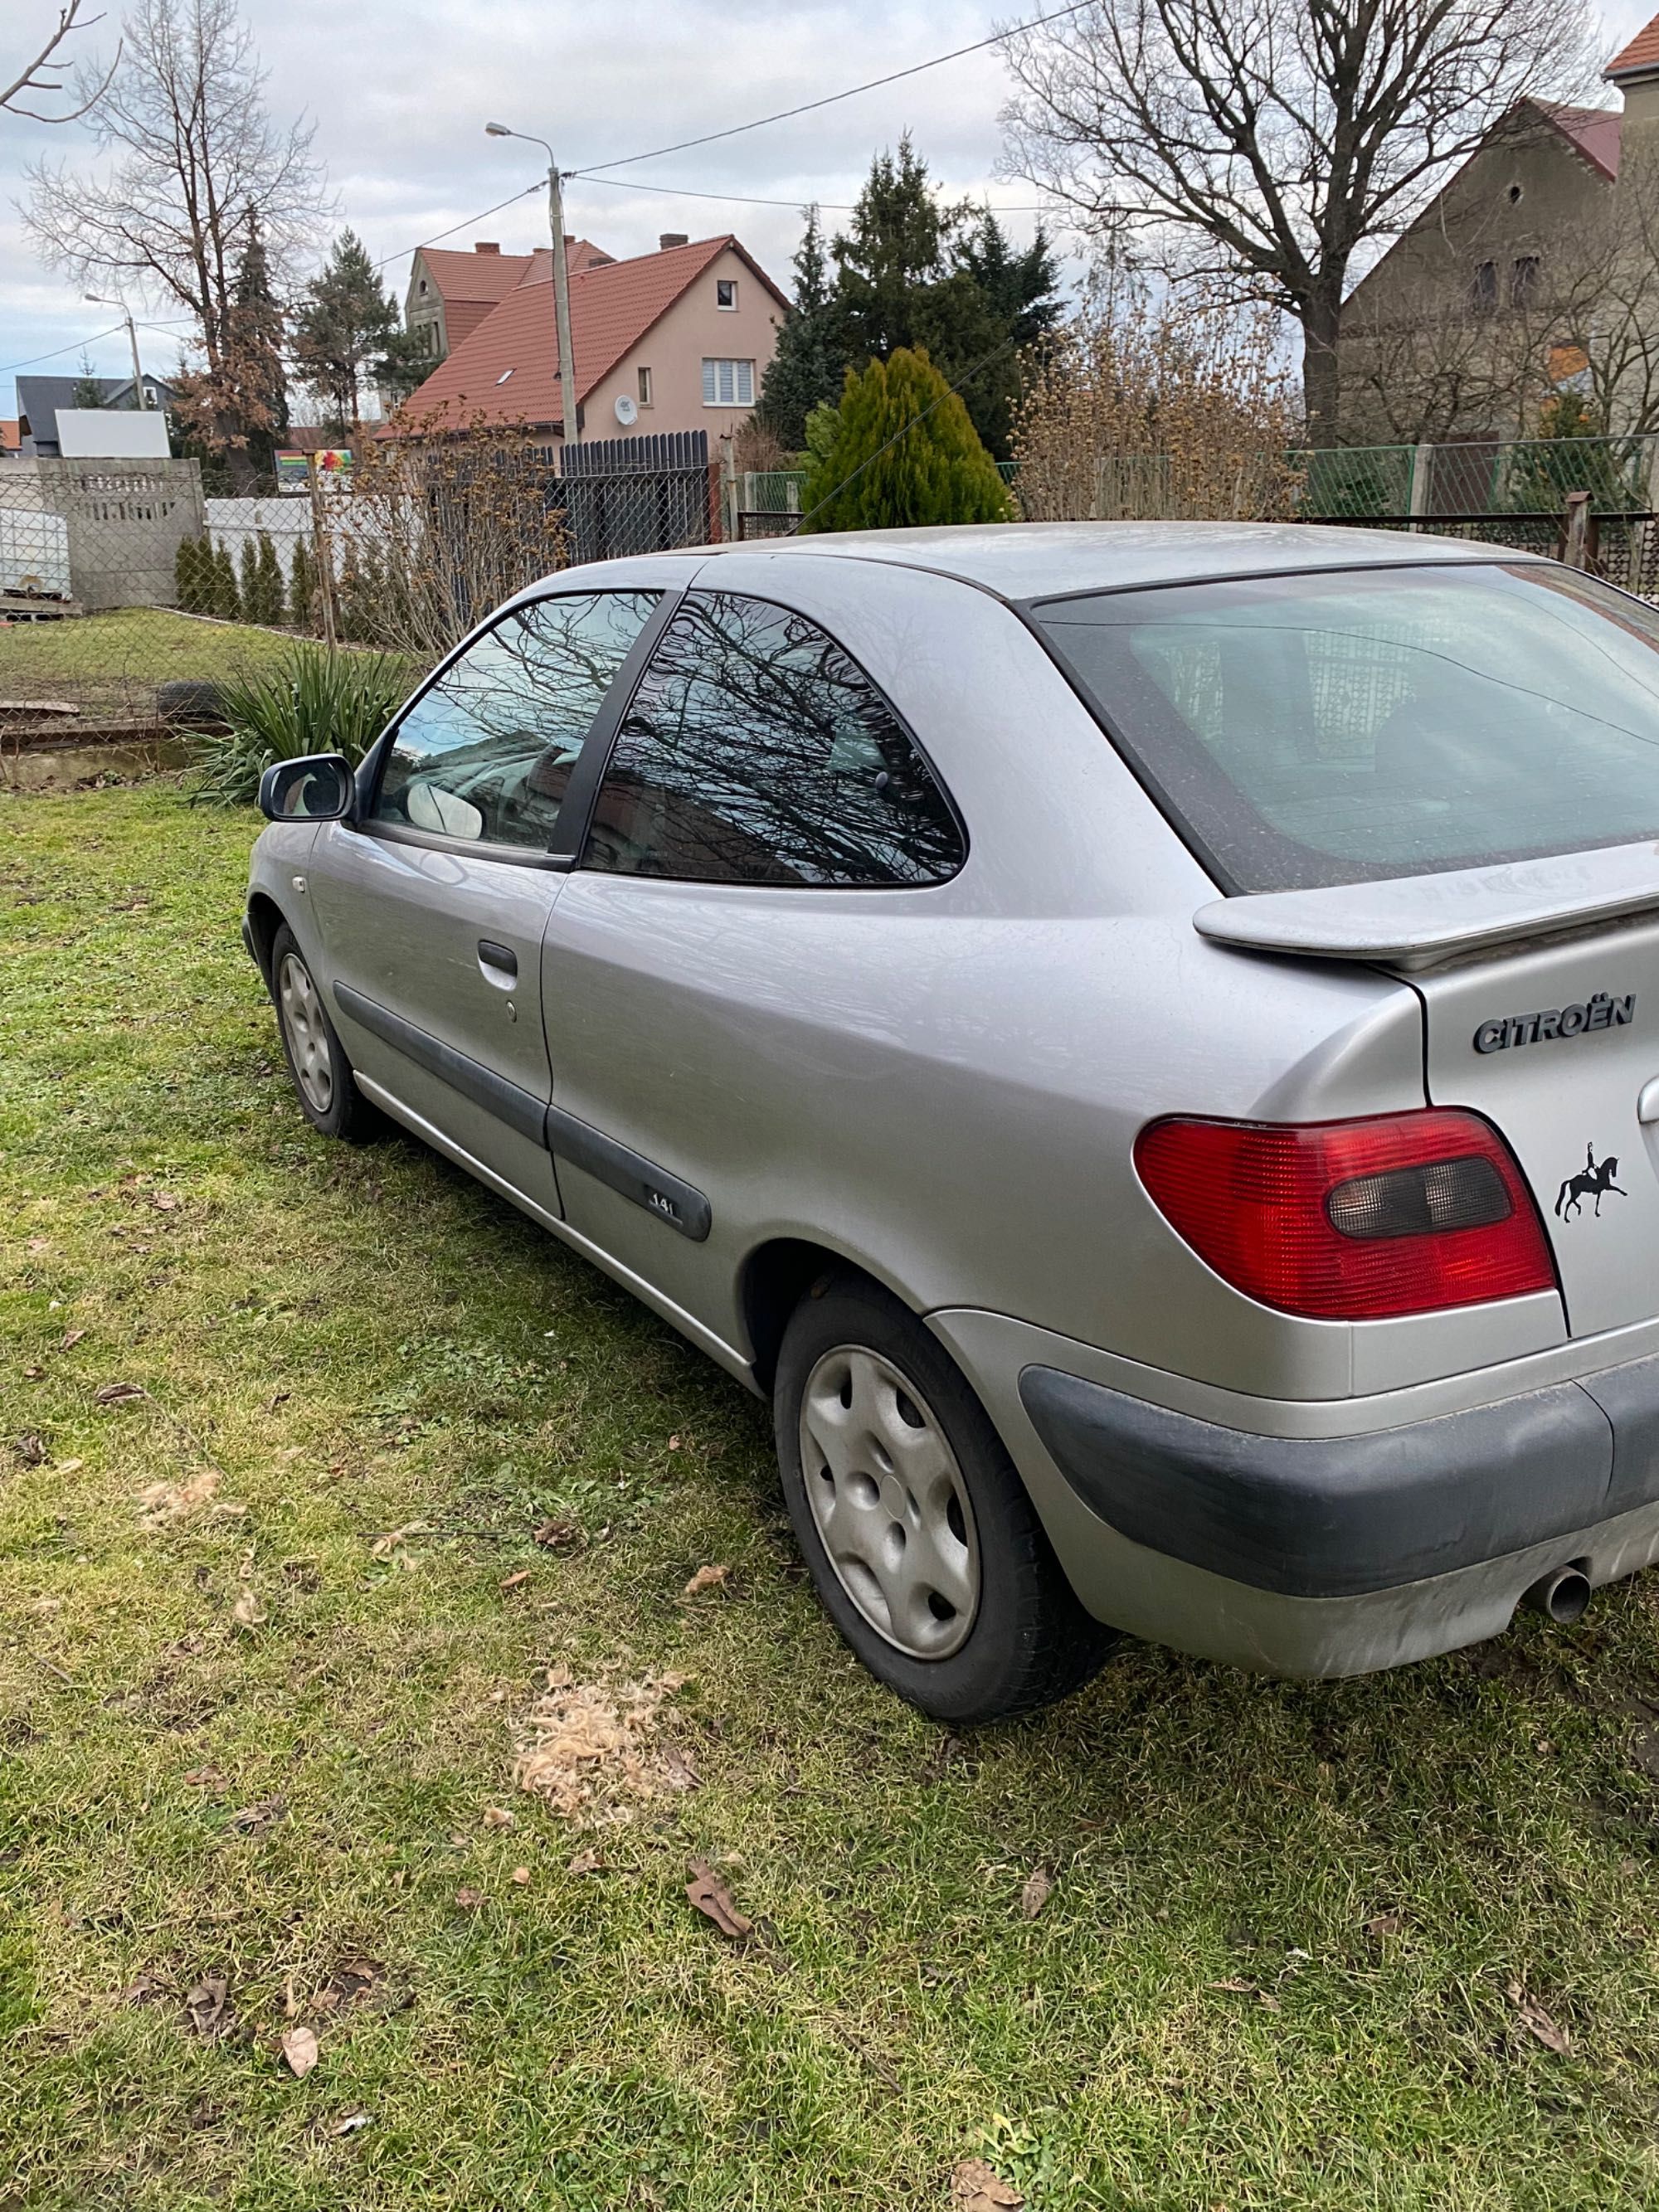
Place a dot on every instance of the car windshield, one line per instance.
(1331, 729)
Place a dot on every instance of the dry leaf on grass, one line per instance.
(588, 1749)
(496, 1816)
(1039, 1886)
(1384, 1923)
(557, 1535)
(247, 1612)
(163, 1503)
(1536, 2021)
(513, 1582)
(977, 2187)
(30, 1449)
(68, 1465)
(521, 1875)
(706, 1578)
(585, 1863)
(252, 1819)
(300, 2049)
(711, 1897)
(349, 2125)
(469, 1899)
(70, 1339)
(209, 2006)
(118, 1394)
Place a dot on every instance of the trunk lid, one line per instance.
(1540, 984)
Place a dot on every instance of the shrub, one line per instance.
(225, 600)
(904, 452)
(308, 702)
(248, 582)
(302, 586)
(193, 575)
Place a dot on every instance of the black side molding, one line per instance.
(1335, 1516)
(678, 1203)
(521, 1109)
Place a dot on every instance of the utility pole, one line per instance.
(561, 278)
(98, 301)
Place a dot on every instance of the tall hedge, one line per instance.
(903, 453)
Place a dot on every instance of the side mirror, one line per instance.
(320, 787)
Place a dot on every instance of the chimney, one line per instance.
(486, 245)
(672, 238)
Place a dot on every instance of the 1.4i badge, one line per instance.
(1595, 1181)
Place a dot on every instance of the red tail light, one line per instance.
(1351, 1220)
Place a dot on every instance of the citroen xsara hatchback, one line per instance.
(1143, 1041)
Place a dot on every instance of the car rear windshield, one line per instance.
(1330, 729)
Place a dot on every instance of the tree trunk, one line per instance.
(1322, 375)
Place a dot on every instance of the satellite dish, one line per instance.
(628, 411)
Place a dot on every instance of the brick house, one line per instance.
(1540, 246)
(675, 340)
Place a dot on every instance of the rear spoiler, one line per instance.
(1424, 921)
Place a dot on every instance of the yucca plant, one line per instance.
(308, 702)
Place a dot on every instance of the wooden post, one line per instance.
(324, 551)
(1574, 550)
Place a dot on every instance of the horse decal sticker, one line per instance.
(1596, 1182)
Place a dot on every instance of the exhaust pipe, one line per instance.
(1561, 1595)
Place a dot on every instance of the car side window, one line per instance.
(757, 751)
(486, 752)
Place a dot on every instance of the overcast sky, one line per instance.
(400, 91)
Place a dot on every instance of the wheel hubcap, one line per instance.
(889, 1502)
(307, 1038)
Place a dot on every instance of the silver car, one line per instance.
(1143, 1041)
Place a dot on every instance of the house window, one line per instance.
(645, 387)
(726, 291)
(1483, 288)
(423, 287)
(728, 384)
(1524, 279)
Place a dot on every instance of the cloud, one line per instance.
(401, 90)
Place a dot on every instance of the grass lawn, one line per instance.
(270, 1630)
(114, 661)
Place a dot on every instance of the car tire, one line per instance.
(323, 1081)
(928, 1556)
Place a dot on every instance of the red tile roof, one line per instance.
(506, 371)
(1641, 54)
(1594, 131)
(469, 276)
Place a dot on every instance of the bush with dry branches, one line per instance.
(1172, 410)
(436, 529)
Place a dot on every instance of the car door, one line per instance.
(433, 905)
(762, 815)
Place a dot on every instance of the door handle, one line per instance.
(498, 964)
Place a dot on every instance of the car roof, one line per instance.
(1024, 561)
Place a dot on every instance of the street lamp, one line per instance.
(97, 300)
(561, 277)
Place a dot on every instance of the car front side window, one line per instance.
(485, 753)
(757, 751)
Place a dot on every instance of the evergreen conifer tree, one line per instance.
(904, 454)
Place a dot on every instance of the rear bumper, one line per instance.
(1343, 1516)
(1330, 1556)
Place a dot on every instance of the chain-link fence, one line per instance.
(129, 601)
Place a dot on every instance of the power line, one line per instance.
(74, 345)
(808, 107)
(465, 223)
(754, 199)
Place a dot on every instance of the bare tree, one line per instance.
(194, 147)
(1269, 143)
(33, 80)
